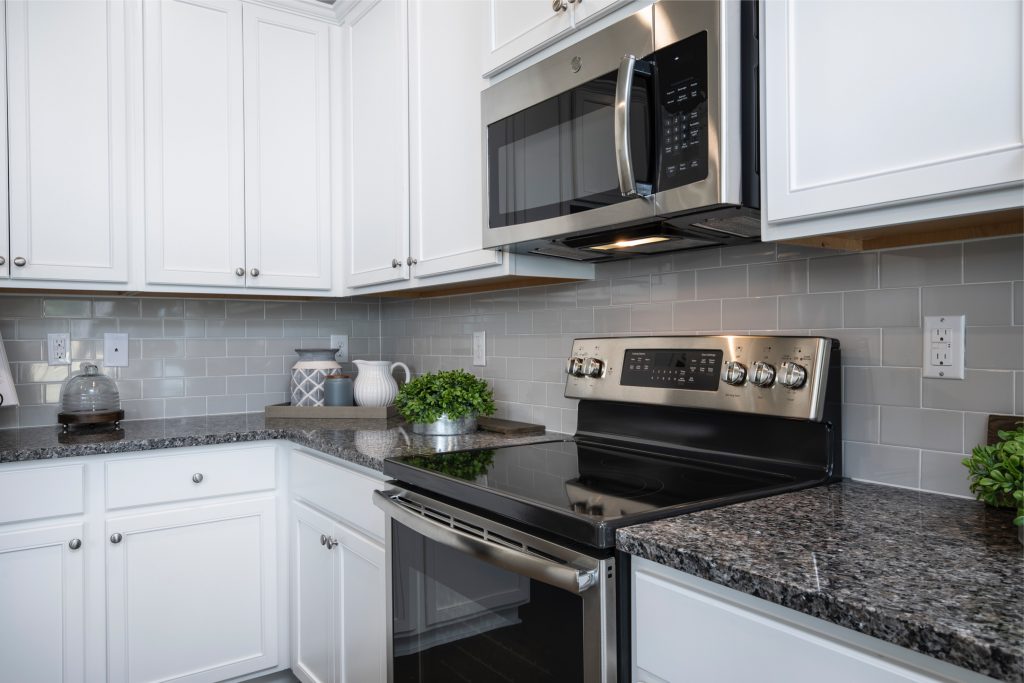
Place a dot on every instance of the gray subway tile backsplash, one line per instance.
(215, 356)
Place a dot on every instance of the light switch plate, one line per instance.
(340, 342)
(480, 348)
(115, 349)
(943, 346)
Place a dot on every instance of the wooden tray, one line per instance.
(287, 410)
(508, 427)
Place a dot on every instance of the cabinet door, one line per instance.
(42, 616)
(5, 256)
(376, 119)
(363, 635)
(315, 597)
(192, 593)
(68, 140)
(287, 150)
(447, 212)
(195, 222)
(922, 115)
(517, 28)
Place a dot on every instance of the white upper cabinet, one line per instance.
(376, 120)
(195, 213)
(5, 255)
(882, 113)
(447, 212)
(68, 140)
(287, 155)
(515, 28)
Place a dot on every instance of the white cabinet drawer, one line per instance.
(338, 490)
(38, 492)
(164, 479)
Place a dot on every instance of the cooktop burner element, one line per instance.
(666, 425)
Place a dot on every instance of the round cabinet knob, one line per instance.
(734, 373)
(593, 367)
(792, 375)
(2, 260)
(331, 542)
(559, 5)
(115, 538)
(395, 263)
(255, 272)
(410, 261)
(323, 539)
(762, 374)
(239, 271)
(197, 477)
(20, 261)
(75, 543)
(574, 367)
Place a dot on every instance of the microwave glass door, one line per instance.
(557, 157)
(457, 618)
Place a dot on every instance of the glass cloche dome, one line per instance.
(89, 392)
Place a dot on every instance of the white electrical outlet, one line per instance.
(115, 349)
(340, 342)
(944, 346)
(58, 346)
(480, 348)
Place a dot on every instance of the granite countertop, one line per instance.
(363, 442)
(936, 574)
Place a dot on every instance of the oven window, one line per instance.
(459, 619)
(558, 157)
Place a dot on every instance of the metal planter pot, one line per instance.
(446, 427)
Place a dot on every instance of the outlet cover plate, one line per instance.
(340, 342)
(115, 349)
(480, 348)
(943, 346)
(58, 348)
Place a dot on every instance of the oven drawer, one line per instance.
(40, 492)
(201, 474)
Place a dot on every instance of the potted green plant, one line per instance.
(444, 403)
(997, 474)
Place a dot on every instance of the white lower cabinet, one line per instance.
(192, 593)
(42, 615)
(689, 629)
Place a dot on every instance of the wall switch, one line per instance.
(340, 342)
(115, 349)
(480, 348)
(944, 346)
(58, 346)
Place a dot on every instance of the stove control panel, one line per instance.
(784, 376)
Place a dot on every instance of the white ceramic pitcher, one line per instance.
(374, 384)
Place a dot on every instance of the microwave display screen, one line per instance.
(695, 369)
(682, 70)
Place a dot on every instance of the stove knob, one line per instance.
(734, 373)
(593, 367)
(792, 375)
(762, 374)
(574, 367)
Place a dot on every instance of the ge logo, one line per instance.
(576, 64)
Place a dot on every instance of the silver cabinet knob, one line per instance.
(762, 374)
(792, 375)
(331, 542)
(323, 539)
(115, 538)
(559, 5)
(734, 373)
(239, 271)
(410, 261)
(395, 263)
(75, 543)
(20, 261)
(2, 260)
(255, 272)
(197, 477)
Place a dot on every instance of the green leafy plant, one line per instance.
(467, 465)
(455, 393)
(997, 472)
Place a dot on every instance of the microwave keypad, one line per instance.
(683, 100)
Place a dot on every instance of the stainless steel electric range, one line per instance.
(501, 562)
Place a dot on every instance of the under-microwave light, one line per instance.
(626, 244)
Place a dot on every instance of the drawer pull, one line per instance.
(197, 477)
(75, 543)
(115, 538)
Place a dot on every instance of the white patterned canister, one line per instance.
(308, 375)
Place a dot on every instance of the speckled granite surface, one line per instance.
(364, 442)
(932, 573)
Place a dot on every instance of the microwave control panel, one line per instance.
(682, 82)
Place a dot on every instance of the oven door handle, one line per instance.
(546, 571)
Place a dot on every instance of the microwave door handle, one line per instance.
(623, 103)
(546, 571)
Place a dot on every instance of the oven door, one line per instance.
(471, 599)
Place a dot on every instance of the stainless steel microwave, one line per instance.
(639, 139)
